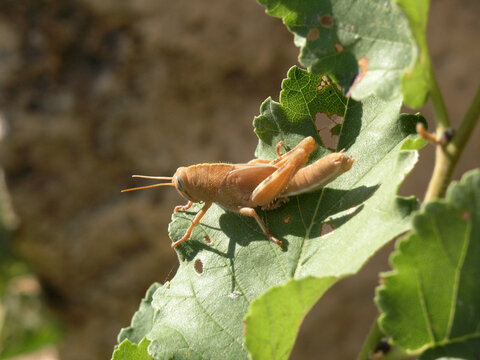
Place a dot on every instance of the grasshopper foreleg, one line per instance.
(196, 220)
(183, 207)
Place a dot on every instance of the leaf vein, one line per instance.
(458, 268)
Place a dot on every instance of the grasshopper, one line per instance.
(242, 187)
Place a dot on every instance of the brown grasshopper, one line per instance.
(241, 187)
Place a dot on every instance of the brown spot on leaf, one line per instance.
(465, 215)
(338, 47)
(326, 21)
(326, 229)
(313, 34)
(363, 64)
(207, 239)
(287, 219)
(198, 266)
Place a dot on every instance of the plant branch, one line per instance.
(447, 156)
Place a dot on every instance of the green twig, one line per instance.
(447, 156)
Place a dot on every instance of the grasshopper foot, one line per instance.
(276, 204)
(184, 238)
(183, 207)
(251, 212)
(274, 239)
(279, 145)
(195, 222)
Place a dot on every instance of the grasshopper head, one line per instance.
(182, 183)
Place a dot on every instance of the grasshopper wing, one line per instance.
(248, 176)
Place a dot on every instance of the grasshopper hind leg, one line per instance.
(252, 213)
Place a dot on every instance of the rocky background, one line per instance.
(94, 91)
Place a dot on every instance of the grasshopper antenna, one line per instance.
(147, 187)
(150, 186)
(153, 177)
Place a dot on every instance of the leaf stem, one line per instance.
(439, 108)
(447, 156)
(373, 337)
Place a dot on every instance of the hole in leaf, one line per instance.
(352, 210)
(326, 229)
(207, 239)
(235, 294)
(363, 64)
(324, 82)
(198, 266)
(328, 128)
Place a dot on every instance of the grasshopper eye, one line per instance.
(180, 185)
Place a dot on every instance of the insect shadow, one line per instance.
(298, 214)
(242, 231)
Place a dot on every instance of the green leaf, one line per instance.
(273, 318)
(416, 82)
(142, 320)
(468, 349)
(229, 263)
(366, 40)
(432, 298)
(128, 351)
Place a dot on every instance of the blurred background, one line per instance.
(94, 91)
